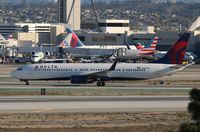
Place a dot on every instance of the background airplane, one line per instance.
(140, 52)
(37, 56)
(119, 52)
(149, 46)
(82, 73)
(40, 55)
(189, 57)
(76, 43)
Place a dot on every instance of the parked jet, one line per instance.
(187, 57)
(119, 51)
(128, 53)
(82, 73)
(76, 43)
(39, 56)
(150, 46)
(141, 52)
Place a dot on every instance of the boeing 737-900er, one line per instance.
(82, 73)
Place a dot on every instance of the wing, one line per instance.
(102, 74)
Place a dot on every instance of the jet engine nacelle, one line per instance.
(77, 79)
(47, 53)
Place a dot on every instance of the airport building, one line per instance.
(113, 32)
(41, 32)
(69, 11)
(195, 28)
(114, 26)
(37, 33)
(6, 29)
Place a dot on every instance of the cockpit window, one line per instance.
(20, 69)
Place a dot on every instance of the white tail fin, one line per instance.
(75, 41)
(66, 42)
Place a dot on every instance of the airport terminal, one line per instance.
(111, 32)
(61, 77)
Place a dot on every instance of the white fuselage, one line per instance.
(64, 71)
(131, 54)
(105, 46)
(37, 57)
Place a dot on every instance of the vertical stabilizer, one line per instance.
(75, 41)
(176, 53)
(66, 42)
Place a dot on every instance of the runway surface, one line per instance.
(55, 104)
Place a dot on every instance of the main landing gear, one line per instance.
(100, 83)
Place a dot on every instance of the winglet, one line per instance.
(113, 66)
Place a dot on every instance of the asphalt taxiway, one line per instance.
(63, 104)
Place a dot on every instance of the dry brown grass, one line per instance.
(93, 122)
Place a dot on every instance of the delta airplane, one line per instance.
(187, 57)
(82, 73)
(76, 43)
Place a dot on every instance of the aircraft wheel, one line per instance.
(27, 83)
(103, 83)
(99, 83)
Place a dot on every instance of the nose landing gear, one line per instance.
(26, 81)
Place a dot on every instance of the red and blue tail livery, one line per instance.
(151, 45)
(176, 53)
(75, 42)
